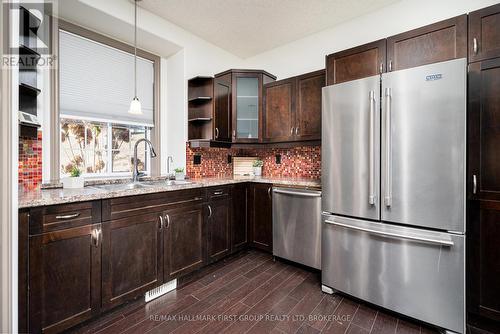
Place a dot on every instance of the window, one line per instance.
(96, 85)
(101, 149)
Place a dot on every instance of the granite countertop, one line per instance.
(53, 196)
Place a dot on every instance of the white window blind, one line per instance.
(96, 82)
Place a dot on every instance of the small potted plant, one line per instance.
(257, 167)
(179, 173)
(75, 180)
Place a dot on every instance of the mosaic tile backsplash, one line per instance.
(30, 162)
(299, 162)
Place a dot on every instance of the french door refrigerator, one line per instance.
(393, 183)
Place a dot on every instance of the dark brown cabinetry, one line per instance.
(292, 108)
(441, 41)
(64, 278)
(261, 216)
(200, 108)
(356, 63)
(239, 223)
(219, 224)
(131, 257)
(484, 33)
(183, 240)
(483, 224)
(222, 109)
(239, 105)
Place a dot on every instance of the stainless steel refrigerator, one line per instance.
(393, 183)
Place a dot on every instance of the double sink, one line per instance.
(141, 185)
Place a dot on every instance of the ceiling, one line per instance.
(249, 27)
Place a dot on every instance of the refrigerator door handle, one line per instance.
(388, 148)
(371, 190)
(412, 237)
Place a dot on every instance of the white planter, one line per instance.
(257, 171)
(179, 176)
(73, 182)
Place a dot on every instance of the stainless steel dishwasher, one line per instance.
(297, 225)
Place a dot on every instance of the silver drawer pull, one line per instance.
(447, 243)
(218, 193)
(475, 46)
(296, 193)
(73, 215)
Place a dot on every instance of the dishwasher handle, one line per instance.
(297, 193)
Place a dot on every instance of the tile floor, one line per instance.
(252, 293)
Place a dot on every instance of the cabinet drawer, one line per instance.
(218, 191)
(57, 217)
(124, 207)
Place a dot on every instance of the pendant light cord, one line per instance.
(135, 50)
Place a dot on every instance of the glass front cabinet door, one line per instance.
(246, 103)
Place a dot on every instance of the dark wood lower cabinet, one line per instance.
(219, 227)
(239, 222)
(64, 278)
(183, 241)
(261, 216)
(131, 258)
(483, 265)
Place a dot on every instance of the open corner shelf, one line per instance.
(200, 110)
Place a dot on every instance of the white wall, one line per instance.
(308, 54)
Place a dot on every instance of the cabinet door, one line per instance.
(360, 62)
(131, 256)
(219, 228)
(239, 225)
(308, 110)
(484, 33)
(279, 105)
(261, 217)
(246, 106)
(222, 108)
(441, 41)
(184, 239)
(484, 259)
(64, 278)
(484, 130)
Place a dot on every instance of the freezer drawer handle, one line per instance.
(447, 243)
(388, 167)
(287, 192)
(371, 186)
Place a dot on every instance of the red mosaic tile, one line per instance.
(297, 162)
(30, 162)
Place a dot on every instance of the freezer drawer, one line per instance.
(415, 272)
(297, 225)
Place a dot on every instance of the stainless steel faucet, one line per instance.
(136, 173)
(169, 160)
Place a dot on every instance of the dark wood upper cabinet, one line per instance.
(184, 240)
(219, 227)
(131, 257)
(279, 115)
(292, 108)
(484, 33)
(222, 108)
(245, 104)
(356, 63)
(308, 106)
(64, 278)
(441, 41)
(484, 130)
(239, 221)
(261, 216)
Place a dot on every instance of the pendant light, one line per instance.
(135, 105)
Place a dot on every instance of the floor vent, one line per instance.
(161, 290)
